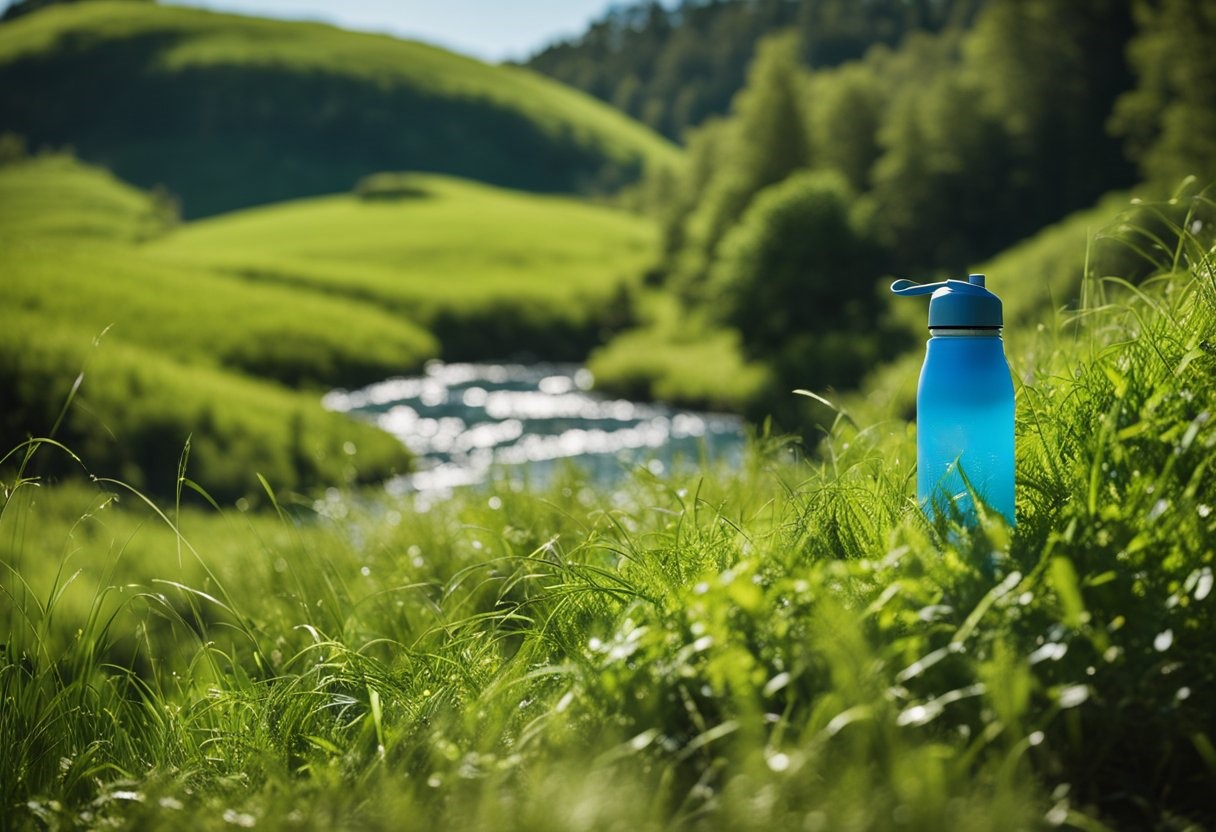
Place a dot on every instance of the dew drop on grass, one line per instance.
(776, 683)
(495, 503)
(1036, 738)
(242, 819)
(1052, 650)
(643, 739)
(779, 761)
(1163, 641)
(1204, 510)
(365, 571)
(1183, 693)
(1203, 584)
(1073, 695)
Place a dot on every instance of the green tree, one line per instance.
(764, 142)
(1169, 119)
(847, 108)
(1050, 72)
(940, 188)
(771, 123)
(797, 278)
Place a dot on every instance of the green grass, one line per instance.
(787, 645)
(675, 357)
(152, 92)
(212, 328)
(492, 272)
(1041, 282)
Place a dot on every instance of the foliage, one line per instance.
(762, 145)
(786, 645)
(957, 140)
(792, 279)
(674, 68)
(1170, 118)
(231, 111)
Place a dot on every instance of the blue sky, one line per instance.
(492, 31)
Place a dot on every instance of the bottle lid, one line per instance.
(957, 303)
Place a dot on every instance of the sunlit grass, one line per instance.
(787, 645)
(207, 325)
(450, 249)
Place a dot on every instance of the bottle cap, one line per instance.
(962, 304)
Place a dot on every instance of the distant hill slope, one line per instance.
(491, 273)
(229, 111)
(226, 330)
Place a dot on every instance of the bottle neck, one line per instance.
(965, 332)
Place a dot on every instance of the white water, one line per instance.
(467, 423)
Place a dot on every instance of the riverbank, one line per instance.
(692, 648)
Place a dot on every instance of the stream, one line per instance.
(470, 423)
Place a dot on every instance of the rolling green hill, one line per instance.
(227, 329)
(491, 272)
(229, 111)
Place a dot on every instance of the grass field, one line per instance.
(342, 290)
(784, 646)
(150, 91)
(492, 272)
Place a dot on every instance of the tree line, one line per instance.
(673, 68)
(922, 158)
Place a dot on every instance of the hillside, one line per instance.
(672, 66)
(228, 111)
(785, 645)
(227, 330)
(493, 273)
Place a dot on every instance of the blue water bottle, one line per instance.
(964, 403)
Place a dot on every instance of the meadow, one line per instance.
(176, 339)
(228, 111)
(786, 645)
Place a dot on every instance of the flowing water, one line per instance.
(467, 423)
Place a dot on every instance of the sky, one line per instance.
(485, 29)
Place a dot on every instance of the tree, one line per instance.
(1051, 71)
(763, 143)
(771, 123)
(847, 109)
(1169, 119)
(941, 188)
(796, 277)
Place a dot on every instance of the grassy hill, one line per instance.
(491, 272)
(229, 111)
(786, 645)
(213, 330)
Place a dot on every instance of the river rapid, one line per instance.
(470, 423)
